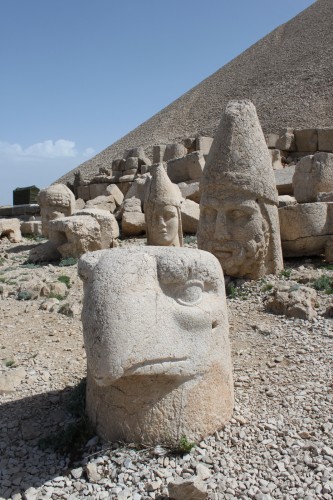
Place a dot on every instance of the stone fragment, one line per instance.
(284, 180)
(285, 140)
(140, 154)
(294, 301)
(239, 221)
(325, 197)
(202, 471)
(133, 224)
(33, 227)
(92, 473)
(139, 188)
(55, 201)
(108, 225)
(325, 139)
(306, 140)
(102, 203)
(148, 381)
(114, 191)
(307, 229)
(190, 190)
(11, 379)
(189, 167)
(185, 489)
(83, 192)
(162, 210)
(173, 151)
(190, 213)
(276, 159)
(203, 144)
(49, 305)
(79, 204)
(45, 252)
(96, 190)
(132, 204)
(10, 228)
(286, 200)
(76, 235)
(313, 175)
(158, 153)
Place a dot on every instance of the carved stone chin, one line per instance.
(156, 336)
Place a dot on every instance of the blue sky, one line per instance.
(76, 75)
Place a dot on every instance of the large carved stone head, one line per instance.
(156, 336)
(238, 207)
(55, 201)
(162, 210)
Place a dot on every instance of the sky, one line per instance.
(77, 75)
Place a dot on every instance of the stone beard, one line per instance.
(239, 232)
(156, 336)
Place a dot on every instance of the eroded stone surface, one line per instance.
(238, 207)
(162, 369)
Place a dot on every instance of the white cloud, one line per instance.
(61, 148)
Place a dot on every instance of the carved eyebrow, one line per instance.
(182, 272)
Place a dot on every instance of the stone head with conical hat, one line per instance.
(238, 209)
(162, 210)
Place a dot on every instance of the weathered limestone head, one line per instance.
(162, 210)
(55, 201)
(238, 208)
(156, 335)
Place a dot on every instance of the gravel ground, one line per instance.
(278, 444)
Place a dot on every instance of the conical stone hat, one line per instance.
(239, 157)
(162, 191)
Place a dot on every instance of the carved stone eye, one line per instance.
(191, 293)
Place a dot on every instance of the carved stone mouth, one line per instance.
(162, 366)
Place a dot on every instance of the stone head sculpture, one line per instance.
(55, 201)
(156, 336)
(162, 210)
(238, 208)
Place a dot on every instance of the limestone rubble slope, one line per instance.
(279, 443)
(288, 75)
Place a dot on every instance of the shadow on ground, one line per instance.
(24, 423)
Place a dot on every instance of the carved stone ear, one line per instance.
(87, 264)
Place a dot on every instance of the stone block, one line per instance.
(31, 227)
(189, 167)
(285, 200)
(203, 144)
(306, 229)
(173, 151)
(306, 140)
(190, 213)
(325, 139)
(132, 163)
(114, 191)
(190, 190)
(139, 188)
(102, 203)
(158, 153)
(284, 180)
(97, 190)
(313, 175)
(133, 224)
(83, 192)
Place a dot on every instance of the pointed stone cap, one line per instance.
(162, 190)
(239, 158)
